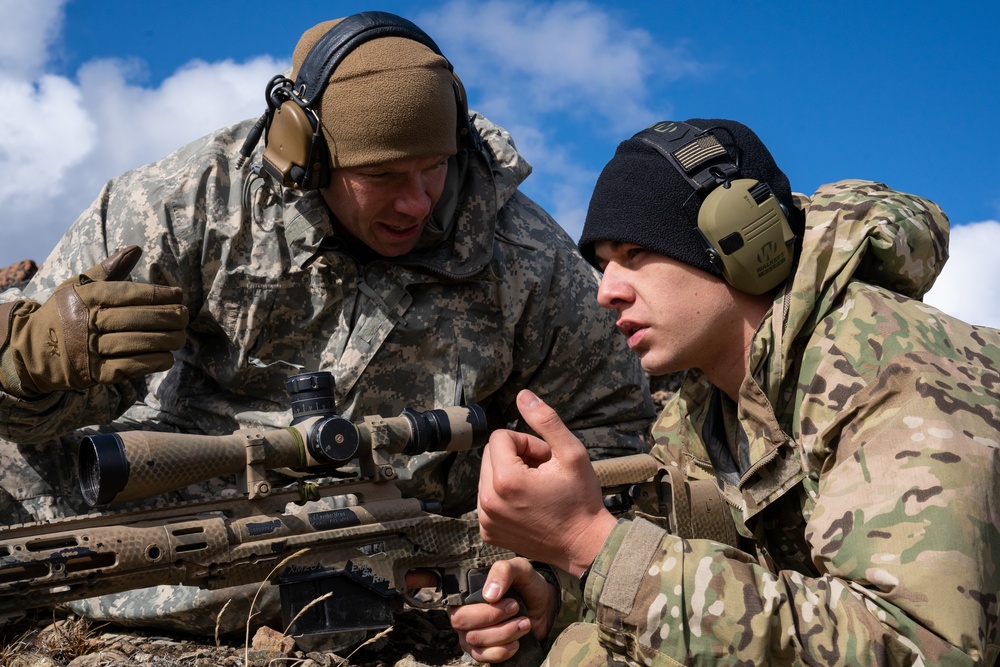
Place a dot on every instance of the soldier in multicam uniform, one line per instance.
(850, 430)
(419, 276)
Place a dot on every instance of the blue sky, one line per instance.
(900, 92)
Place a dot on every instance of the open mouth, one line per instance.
(629, 329)
(400, 230)
(634, 333)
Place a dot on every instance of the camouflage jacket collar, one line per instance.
(855, 230)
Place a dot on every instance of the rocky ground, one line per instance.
(419, 638)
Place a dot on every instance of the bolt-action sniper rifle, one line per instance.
(359, 554)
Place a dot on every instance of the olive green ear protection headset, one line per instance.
(295, 152)
(742, 223)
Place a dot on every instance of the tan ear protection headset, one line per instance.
(295, 152)
(742, 223)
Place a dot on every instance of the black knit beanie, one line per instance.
(641, 198)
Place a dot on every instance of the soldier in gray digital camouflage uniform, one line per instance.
(419, 275)
(848, 431)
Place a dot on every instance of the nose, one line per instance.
(614, 292)
(415, 197)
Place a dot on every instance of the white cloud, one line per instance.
(138, 124)
(27, 31)
(568, 58)
(969, 285)
(61, 139)
(44, 132)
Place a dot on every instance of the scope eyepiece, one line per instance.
(433, 431)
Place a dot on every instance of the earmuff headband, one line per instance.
(698, 155)
(350, 33)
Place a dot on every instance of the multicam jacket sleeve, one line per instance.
(865, 486)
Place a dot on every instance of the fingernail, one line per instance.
(510, 607)
(530, 399)
(524, 625)
(491, 592)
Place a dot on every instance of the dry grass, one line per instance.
(15, 642)
(61, 639)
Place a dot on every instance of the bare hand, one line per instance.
(540, 496)
(490, 632)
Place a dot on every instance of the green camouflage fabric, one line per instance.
(496, 300)
(861, 466)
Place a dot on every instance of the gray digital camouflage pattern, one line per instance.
(865, 481)
(496, 301)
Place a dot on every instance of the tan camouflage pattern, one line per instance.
(502, 302)
(861, 466)
(580, 645)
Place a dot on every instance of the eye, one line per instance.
(635, 254)
(437, 166)
(372, 173)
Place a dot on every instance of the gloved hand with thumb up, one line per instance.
(96, 328)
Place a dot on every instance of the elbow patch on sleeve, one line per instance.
(630, 564)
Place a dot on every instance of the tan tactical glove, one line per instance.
(96, 328)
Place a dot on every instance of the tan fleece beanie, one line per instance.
(390, 98)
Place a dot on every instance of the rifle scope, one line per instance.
(133, 465)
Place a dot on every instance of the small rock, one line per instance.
(33, 661)
(200, 653)
(258, 658)
(16, 275)
(99, 659)
(267, 639)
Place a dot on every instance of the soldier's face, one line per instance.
(674, 316)
(387, 206)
